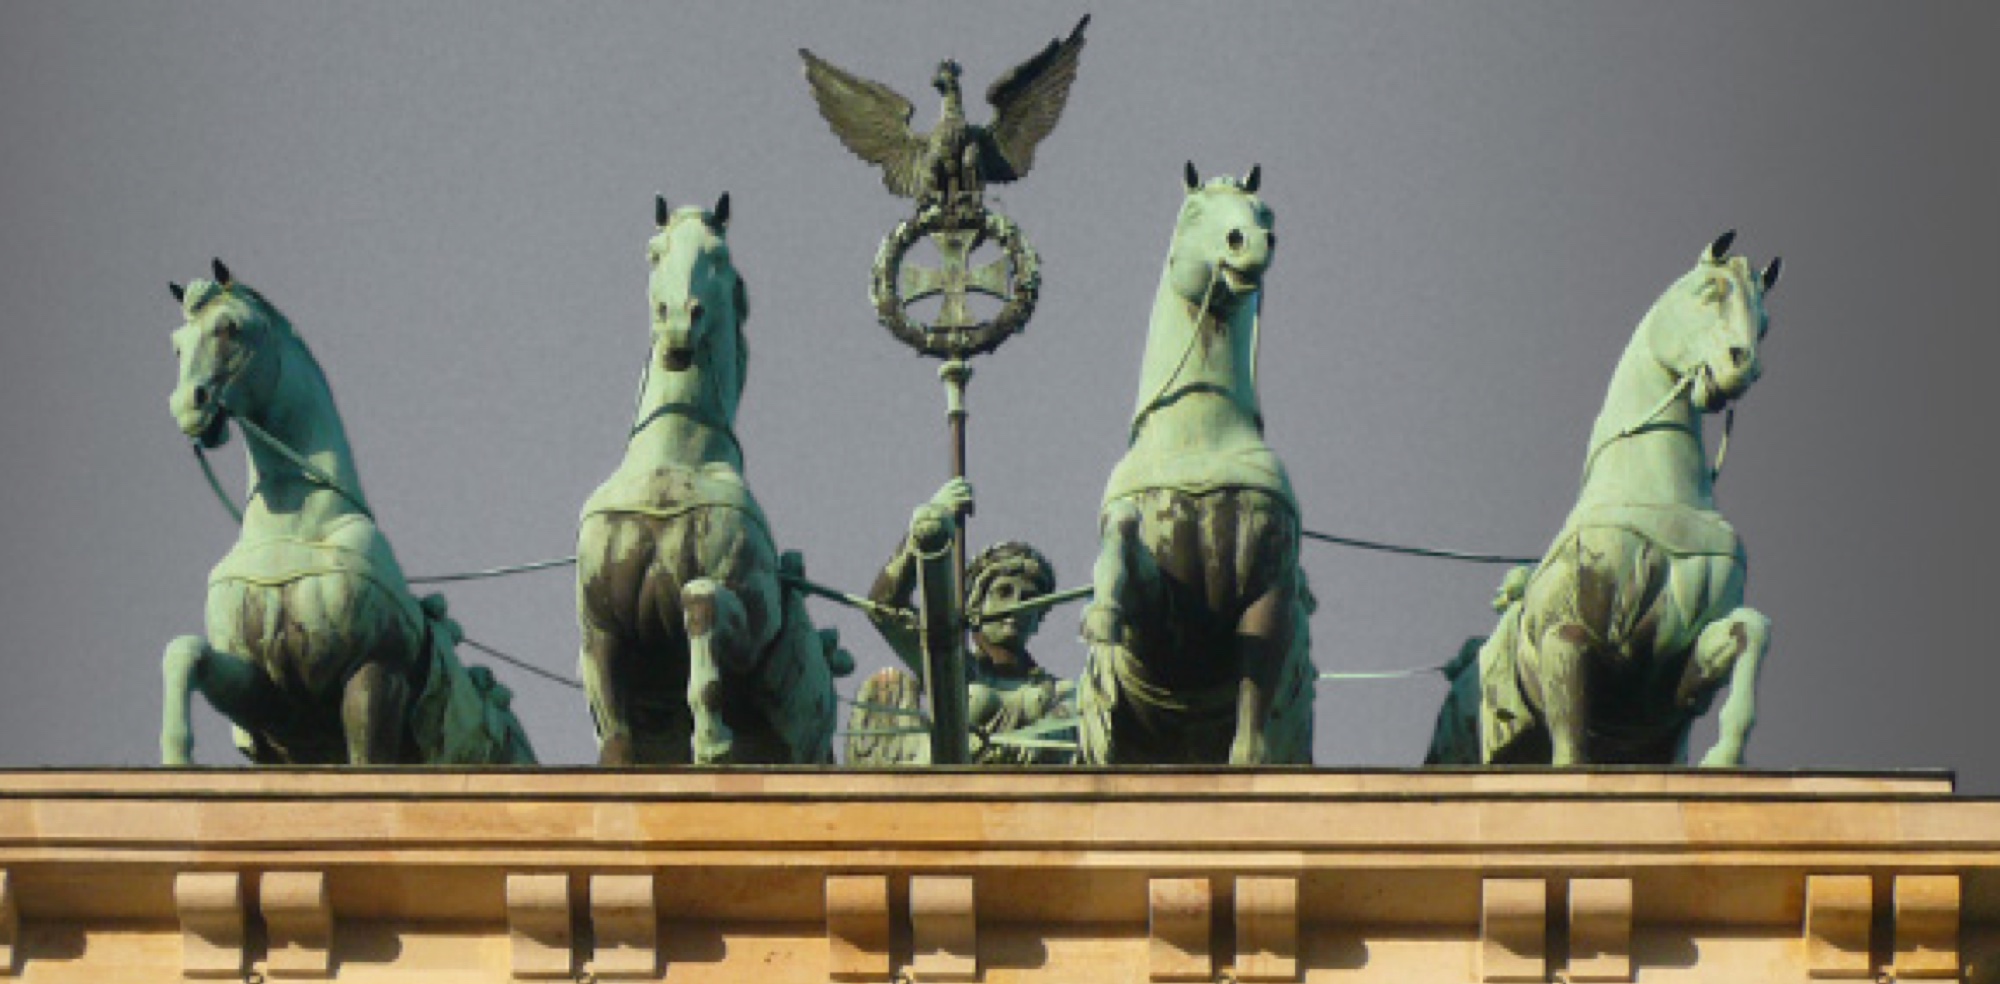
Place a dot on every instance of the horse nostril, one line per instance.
(200, 397)
(1235, 240)
(694, 310)
(660, 311)
(1270, 240)
(1740, 355)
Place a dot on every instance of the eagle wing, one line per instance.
(871, 120)
(1026, 102)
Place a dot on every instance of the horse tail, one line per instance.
(463, 714)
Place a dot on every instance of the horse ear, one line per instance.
(1771, 272)
(721, 211)
(1190, 178)
(660, 211)
(180, 293)
(1720, 248)
(221, 272)
(1254, 178)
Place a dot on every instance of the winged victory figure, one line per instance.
(956, 158)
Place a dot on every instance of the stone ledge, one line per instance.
(1306, 875)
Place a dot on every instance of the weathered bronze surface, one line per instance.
(1199, 648)
(1015, 710)
(693, 648)
(956, 159)
(1634, 619)
(315, 649)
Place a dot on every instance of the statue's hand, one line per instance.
(954, 497)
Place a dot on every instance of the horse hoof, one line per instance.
(714, 745)
(616, 752)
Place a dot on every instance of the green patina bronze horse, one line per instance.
(1198, 628)
(1634, 618)
(693, 647)
(315, 648)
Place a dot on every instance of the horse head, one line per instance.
(1708, 326)
(1222, 241)
(698, 299)
(222, 349)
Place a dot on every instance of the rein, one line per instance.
(692, 411)
(1680, 389)
(1201, 313)
(306, 468)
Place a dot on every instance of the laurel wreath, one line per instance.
(955, 343)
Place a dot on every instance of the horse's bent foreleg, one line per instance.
(1117, 578)
(371, 714)
(1122, 568)
(1263, 642)
(178, 667)
(1732, 650)
(717, 642)
(234, 687)
(1565, 693)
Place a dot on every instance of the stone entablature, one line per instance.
(779, 876)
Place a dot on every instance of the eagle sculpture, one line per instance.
(956, 159)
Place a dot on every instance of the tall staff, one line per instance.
(946, 171)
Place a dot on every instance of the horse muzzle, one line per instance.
(1241, 280)
(676, 349)
(200, 416)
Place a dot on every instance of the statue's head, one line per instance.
(220, 347)
(1223, 241)
(698, 300)
(1005, 574)
(1709, 325)
(945, 81)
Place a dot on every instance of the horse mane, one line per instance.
(201, 293)
(742, 338)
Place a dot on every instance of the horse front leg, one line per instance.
(372, 706)
(1730, 650)
(600, 665)
(233, 685)
(1565, 693)
(1121, 567)
(1119, 580)
(1263, 643)
(718, 642)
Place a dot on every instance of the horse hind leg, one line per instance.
(371, 714)
(1562, 664)
(234, 687)
(1730, 650)
(716, 629)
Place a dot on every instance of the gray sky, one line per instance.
(1475, 202)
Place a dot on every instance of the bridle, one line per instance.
(219, 408)
(681, 408)
(1680, 388)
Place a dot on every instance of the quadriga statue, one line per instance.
(1007, 692)
(1634, 618)
(315, 648)
(693, 647)
(1198, 628)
